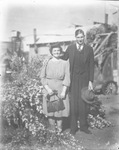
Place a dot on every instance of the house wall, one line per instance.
(42, 50)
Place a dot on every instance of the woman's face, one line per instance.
(56, 52)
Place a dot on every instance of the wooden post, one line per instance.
(106, 22)
(106, 18)
(118, 49)
(117, 12)
(35, 40)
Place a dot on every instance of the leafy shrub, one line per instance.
(22, 98)
(91, 34)
(24, 125)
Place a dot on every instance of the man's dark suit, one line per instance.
(81, 71)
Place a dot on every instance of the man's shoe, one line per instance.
(86, 131)
(74, 131)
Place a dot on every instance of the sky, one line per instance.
(51, 16)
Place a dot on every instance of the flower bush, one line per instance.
(23, 121)
(96, 115)
(23, 95)
(22, 98)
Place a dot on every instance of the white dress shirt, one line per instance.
(79, 47)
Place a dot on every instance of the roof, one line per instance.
(55, 38)
(60, 36)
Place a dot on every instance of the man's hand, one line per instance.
(62, 95)
(90, 86)
(50, 92)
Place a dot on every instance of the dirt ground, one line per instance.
(106, 138)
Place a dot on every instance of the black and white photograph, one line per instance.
(59, 75)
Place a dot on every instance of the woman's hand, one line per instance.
(49, 90)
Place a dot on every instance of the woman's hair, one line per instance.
(79, 31)
(55, 46)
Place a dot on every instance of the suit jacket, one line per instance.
(88, 59)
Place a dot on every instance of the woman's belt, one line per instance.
(54, 79)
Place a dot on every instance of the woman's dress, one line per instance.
(55, 74)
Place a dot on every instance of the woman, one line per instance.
(55, 76)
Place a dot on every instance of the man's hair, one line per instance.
(79, 31)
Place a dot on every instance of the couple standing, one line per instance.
(76, 73)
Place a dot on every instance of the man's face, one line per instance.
(80, 39)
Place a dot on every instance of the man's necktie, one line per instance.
(79, 48)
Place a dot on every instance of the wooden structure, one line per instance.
(104, 49)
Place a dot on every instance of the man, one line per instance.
(81, 59)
